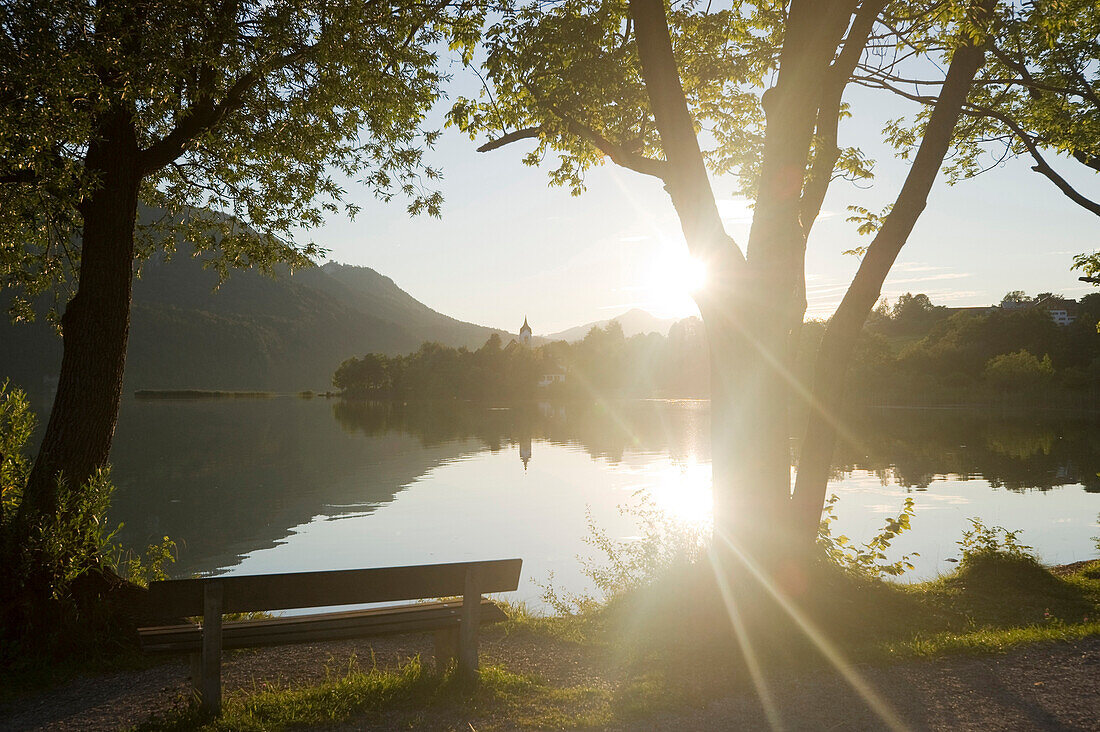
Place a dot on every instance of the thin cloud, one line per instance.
(916, 267)
(817, 290)
(938, 297)
(931, 278)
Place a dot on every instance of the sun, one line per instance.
(674, 277)
(690, 274)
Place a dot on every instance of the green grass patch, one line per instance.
(201, 394)
(409, 697)
(991, 640)
(585, 626)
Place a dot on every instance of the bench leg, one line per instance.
(446, 647)
(210, 684)
(468, 628)
(196, 673)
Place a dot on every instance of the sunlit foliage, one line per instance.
(249, 118)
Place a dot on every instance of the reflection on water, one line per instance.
(287, 484)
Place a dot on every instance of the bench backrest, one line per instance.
(249, 593)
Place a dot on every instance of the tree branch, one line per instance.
(686, 180)
(203, 115)
(846, 324)
(429, 14)
(507, 139)
(617, 153)
(1089, 161)
(1028, 140)
(1043, 168)
(1019, 68)
(826, 151)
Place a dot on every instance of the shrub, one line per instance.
(629, 564)
(981, 542)
(1018, 370)
(60, 573)
(867, 559)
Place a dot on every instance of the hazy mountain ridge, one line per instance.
(288, 332)
(633, 321)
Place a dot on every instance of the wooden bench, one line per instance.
(455, 623)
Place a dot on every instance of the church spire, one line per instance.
(525, 333)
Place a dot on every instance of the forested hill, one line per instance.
(254, 332)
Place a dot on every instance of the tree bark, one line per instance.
(95, 325)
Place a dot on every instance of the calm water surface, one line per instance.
(284, 484)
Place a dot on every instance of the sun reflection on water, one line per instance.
(682, 490)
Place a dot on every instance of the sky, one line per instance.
(509, 246)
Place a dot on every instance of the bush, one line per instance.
(62, 588)
(664, 544)
(981, 542)
(868, 559)
(1018, 370)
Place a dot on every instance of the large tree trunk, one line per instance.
(754, 329)
(749, 430)
(95, 324)
(752, 309)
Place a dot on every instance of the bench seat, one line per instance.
(424, 617)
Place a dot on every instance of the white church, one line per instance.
(525, 333)
(556, 376)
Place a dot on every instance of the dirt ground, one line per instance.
(1041, 687)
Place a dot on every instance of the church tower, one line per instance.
(525, 333)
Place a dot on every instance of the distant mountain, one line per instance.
(252, 332)
(633, 322)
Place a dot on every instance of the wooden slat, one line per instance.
(210, 680)
(317, 628)
(183, 598)
(467, 629)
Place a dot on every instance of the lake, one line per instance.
(286, 484)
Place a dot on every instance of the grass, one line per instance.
(410, 696)
(201, 394)
(991, 640)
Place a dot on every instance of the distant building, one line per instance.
(1062, 310)
(973, 310)
(551, 377)
(525, 333)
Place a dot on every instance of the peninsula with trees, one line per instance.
(1036, 352)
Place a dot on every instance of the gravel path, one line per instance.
(1043, 687)
(1048, 687)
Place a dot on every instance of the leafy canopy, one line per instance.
(569, 75)
(247, 114)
